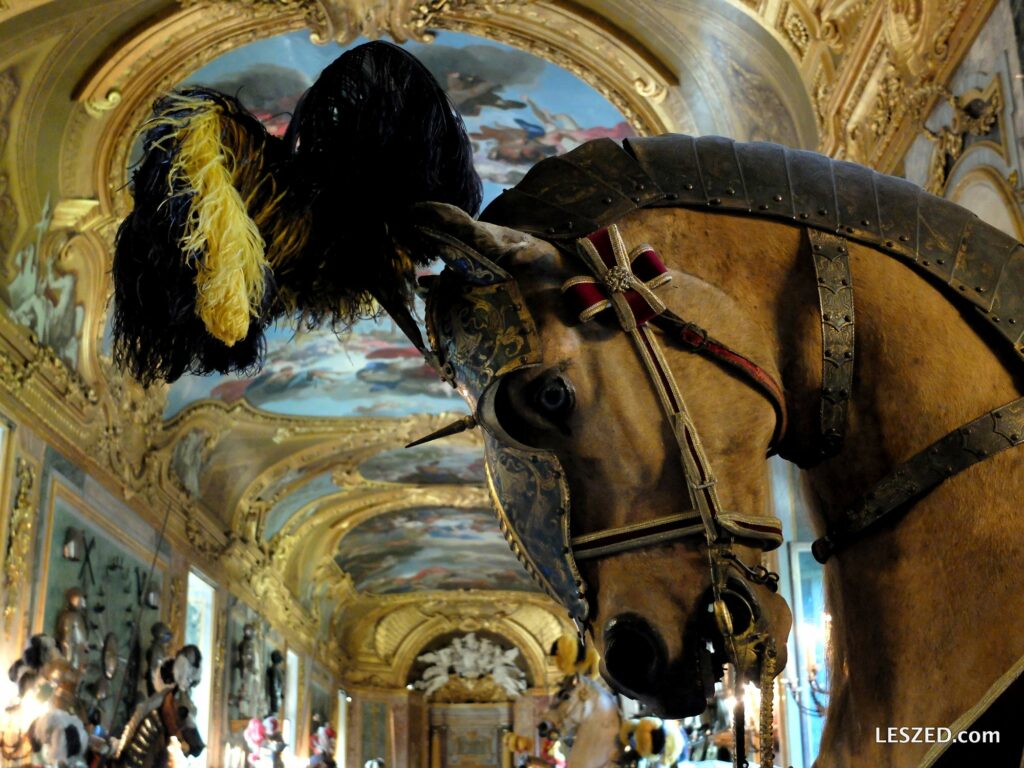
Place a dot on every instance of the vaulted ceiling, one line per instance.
(293, 485)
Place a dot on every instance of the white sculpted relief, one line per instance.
(470, 657)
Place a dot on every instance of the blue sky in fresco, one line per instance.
(518, 109)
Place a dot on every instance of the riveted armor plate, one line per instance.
(835, 297)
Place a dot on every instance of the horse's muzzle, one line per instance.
(636, 663)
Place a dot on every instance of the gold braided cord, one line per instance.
(768, 660)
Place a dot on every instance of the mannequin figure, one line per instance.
(249, 693)
(157, 653)
(72, 629)
(275, 682)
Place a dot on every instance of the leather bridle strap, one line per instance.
(660, 530)
(693, 338)
(982, 438)
(610, 262)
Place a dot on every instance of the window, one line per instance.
(199, 632)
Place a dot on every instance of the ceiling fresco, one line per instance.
(430, 464)
(430, 548)
(518, 110)
(373, 371)
(304, 496)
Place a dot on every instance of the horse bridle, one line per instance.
(624, 280)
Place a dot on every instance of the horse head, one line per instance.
(584, 716)
(578, 446)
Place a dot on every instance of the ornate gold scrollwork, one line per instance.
(975, 114)
(19, 540)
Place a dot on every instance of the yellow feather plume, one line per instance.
(643, 736)
(566, 653)
(673, 743)
(230, 284)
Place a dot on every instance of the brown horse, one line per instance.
(928, 614)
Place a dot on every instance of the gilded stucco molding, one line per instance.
(17, 547)
(386, 640)
(975, 117)
(841, 21)
(893, 73)
(872, 68)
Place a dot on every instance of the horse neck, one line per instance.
(906, 599)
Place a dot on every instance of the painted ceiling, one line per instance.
(430, 548)
(518, 110)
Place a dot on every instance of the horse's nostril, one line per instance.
(634, 654)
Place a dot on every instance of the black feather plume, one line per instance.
(375, 134)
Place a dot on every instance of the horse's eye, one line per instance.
(554, 397)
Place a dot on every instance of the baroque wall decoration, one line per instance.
(975, 117)
(19, 541)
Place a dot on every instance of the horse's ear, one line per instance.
(466, 245)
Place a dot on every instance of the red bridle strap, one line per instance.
(695, 339)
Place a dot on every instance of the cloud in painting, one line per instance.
(504, 66)
(475, 75)
(269, 91)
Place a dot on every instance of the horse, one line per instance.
(764, 253)
(635, 327)
(586, 716)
